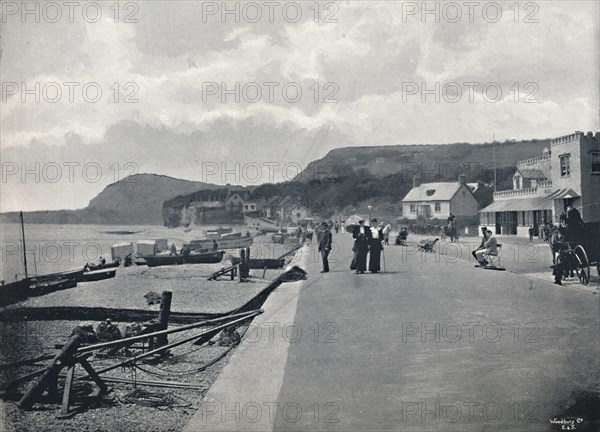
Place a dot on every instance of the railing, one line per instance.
(547, 184)
(534, 161)
(514, 192)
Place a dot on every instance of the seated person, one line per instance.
(490, 248)
(481, 243)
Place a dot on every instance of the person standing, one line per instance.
(337, 227)
(362, 238)
(325, 239)
(375, 248)
(530, 233)
(386, 234)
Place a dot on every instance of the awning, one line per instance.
(563, 193)
(520, 204)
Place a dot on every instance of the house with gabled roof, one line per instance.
(234, 202)
(438, 200)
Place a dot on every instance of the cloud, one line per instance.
(363, 62)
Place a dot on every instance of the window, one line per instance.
(297, 214)
(430, 192)
(565, 165)
(596, 163)
(413, 208)
(438, 207)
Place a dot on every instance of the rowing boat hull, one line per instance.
(98, 275)
(227, 243)
(261, 263)
(204, 258)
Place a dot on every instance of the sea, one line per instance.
(53, 248)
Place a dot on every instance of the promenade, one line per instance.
(431, 344)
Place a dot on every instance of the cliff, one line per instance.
(137, 199)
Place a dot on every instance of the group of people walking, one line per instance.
(368, 242)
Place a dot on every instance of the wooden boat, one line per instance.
(200, 258)
(94, 267)
(97, 275)
(70, 274)
(261, 263)
(36, 285)
(223, 243)
(41, 287)
(237, 235)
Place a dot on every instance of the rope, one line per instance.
(154, 399)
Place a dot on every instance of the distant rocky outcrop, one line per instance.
(433, 162)
(137, 199)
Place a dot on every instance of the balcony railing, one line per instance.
(522, 192)
(544, 184)
(533, 161)
(514, 192)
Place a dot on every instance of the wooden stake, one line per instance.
(163, 316)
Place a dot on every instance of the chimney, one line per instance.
(462, 179)
(415, 181)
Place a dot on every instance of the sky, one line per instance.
(251, 92)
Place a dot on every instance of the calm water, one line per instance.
(53, 248)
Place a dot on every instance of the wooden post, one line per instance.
(163, 316)
(51, 375)
(242, 263)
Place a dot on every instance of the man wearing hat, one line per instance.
(325, 239)
(481, 244)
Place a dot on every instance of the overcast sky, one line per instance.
(363, 69)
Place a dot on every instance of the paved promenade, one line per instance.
(432, 344)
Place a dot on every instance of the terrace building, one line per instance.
(568, 173)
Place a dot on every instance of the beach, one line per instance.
(192, 293)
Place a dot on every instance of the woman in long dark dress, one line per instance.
(362, 238)
(375, 248)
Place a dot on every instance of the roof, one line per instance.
(444, 191)
(533, 203)
(272, 201)
(522, 204)
(531, 173)
(243, 194)
(563, 193)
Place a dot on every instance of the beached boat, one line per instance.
(201, 258)
(222, 243)
(94, 267)
(36, 285)
(97, 275)
(69, 275)
(261, 263)
(41, 287)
